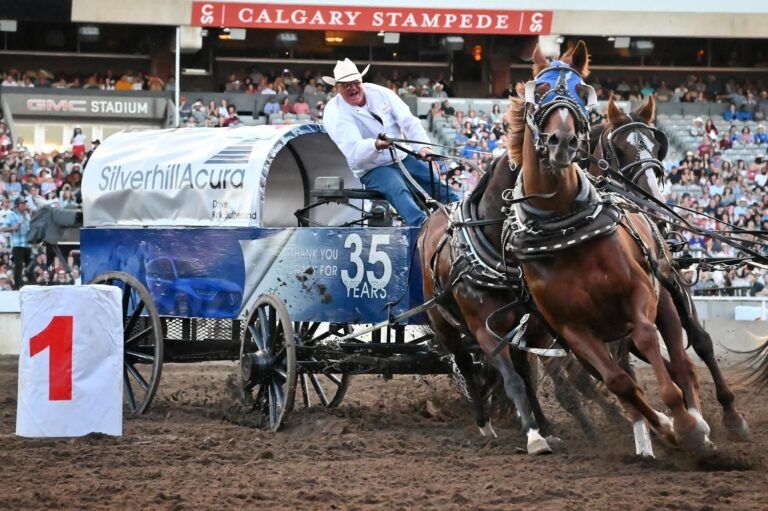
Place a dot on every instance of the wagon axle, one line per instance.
(256, 367)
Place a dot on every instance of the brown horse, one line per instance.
(475, 307)
(631, 146)
(600, 284)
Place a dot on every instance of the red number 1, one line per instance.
(58, 337)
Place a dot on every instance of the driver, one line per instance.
(355, 117)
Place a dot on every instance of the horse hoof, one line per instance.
(709, 447)
(738, 429)
(646, 456)
(696, 435)
(537, 444)
(667, 431)
(487, 430)
(553, 440)
(701, 424)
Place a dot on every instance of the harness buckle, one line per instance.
(603, 164)
(596, 213)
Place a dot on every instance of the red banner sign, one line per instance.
(370, 19)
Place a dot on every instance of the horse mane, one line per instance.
(595, 132)
(515, 118)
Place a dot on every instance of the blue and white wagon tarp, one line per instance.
(204, 219)
(253, 176)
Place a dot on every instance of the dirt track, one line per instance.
(407, 443)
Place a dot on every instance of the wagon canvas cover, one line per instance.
(201, 177)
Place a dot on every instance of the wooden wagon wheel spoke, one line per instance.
(134, 318)
(279, 395)
(139, 336)
(280, 372)
(139, 355)
(137, 376)
(318, 389)
(126, 298)
(312, 329)
(272, 405)
(334, 379)
(272, 328)
(257, 338)
(305, 391)
(263, 326)
(129, 392)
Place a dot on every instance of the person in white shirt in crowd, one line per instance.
(8, 81)
(697, 128)
(354, 119)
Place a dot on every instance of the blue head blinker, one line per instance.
(563, 84)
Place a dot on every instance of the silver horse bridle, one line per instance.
(638, 167)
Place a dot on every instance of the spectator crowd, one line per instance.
(28, 182)
(732, 192)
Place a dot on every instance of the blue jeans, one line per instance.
(390, 182)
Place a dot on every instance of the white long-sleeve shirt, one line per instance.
(354, 129)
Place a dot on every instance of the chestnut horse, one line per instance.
(629, 145)
(602, 284)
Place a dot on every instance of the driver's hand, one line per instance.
(424, 152)
(382, 144)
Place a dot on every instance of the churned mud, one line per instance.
(405, 443)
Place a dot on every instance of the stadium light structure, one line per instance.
(452, 43)
(642, 47)
(287, 39)
(88, 33)
(8, 25)
(392, 38)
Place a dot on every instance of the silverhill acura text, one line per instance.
(169, 177)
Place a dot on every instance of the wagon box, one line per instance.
(198, 228)
(221, 201)
(342, 275)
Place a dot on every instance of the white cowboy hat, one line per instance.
(345, 71)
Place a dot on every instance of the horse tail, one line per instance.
(757, 363)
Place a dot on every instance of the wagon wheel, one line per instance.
(325, 388)
(268, 360)
(143, 340)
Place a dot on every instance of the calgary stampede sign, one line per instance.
(394, 19)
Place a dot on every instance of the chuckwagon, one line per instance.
(224, 251)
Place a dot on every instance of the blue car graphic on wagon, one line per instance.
(182, 287)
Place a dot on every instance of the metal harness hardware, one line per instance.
(530, 233)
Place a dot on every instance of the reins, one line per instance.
(659, 209)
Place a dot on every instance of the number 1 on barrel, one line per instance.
(57, 336)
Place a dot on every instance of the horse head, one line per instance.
(557, 102)
(632, 147)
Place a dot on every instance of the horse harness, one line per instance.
(634, 169)
(531, 233)
(476, 262)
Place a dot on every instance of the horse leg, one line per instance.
(514, 386)
(567, 397)
(688, 430)
(643, 445)
(450, 338)
(522, 365)
(580, 379)
(702, 344)
(591, 350)
(668, 323)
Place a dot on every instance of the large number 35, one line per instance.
(375, 256)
